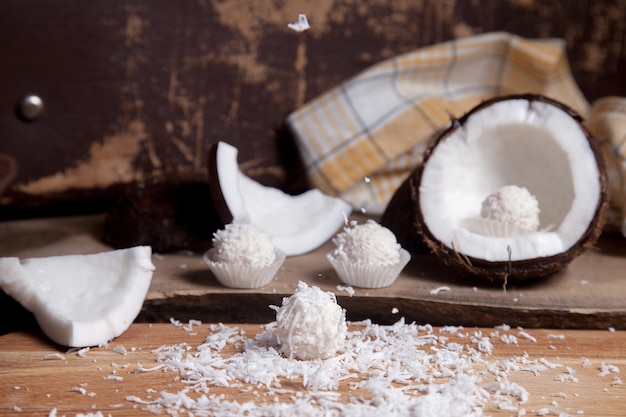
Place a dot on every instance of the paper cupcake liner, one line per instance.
(363, 275)
(494, 228)
(243, 276)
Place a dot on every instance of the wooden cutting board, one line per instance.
(588, 294)
(37, 376)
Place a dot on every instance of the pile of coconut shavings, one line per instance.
(402, 369)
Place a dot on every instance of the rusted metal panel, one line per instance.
(136, 89)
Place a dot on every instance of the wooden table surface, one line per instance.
(585, 378)
(585, 301)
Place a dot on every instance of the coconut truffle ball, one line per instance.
(368, 243)
(367, 255)
(243, 244)
(311, 325)
(513, 205)
(243, 256)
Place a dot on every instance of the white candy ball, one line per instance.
(311, 325)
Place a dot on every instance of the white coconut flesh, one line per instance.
(530, 145)
(81, 300)
(296, 224)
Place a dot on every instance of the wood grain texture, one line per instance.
(37, 386)
(133, 91)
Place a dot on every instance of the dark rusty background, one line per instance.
(136, 89)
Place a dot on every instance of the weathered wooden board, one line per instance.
(133, 90)
(101, 379)
(587, 294)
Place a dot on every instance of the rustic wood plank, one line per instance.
(37, 386)
(587, 294)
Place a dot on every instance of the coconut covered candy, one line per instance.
(513, 190)
(311, 325)
(243, 256)
(367, 255)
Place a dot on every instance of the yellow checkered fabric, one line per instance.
(361, 139)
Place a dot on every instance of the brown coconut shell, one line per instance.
(399, 217)
(219, 201)
(500, 272)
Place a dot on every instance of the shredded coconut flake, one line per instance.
(53, 356)
(437, 290)
(301, 25)
(347, 288)
(397, 370)
(526, 335)
(606, 369)
(120, 349)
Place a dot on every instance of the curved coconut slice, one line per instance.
(521, 143)
(81, 300)
(296, 224)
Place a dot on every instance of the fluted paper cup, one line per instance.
(243, 276)
(359, 274)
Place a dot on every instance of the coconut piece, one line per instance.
(526, 141)
(311, 325)
(81, 300)
(296, 224)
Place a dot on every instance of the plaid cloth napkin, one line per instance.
(361, 139)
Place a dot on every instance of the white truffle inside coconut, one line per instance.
(512, 204)
(507, 212)
(311, 325)
(528, 141)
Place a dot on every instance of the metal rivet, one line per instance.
(30, 107)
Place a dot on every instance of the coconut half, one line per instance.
(515, 189)
(81, 300)
(296, 224)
